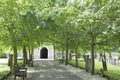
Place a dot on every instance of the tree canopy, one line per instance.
(88, 24)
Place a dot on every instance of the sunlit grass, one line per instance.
(98, 66)
(2, 73)
(113, 70)
(4, 68)
(20, 61)
(80, 63)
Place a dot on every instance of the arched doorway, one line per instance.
(44, 53)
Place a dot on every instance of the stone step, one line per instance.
(43, 62)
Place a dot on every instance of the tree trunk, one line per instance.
(92, 55)
(11, 65)
(100, 56)
(29, 53)
(70, 56)
(104, 62)
(10, 61)
(66, 61)
(54, 51)
(15, 55)
(110, 58)
(76, 57)
(32, 52)
(63, 60)
(24, 56)
(63, 53)
(87, 64)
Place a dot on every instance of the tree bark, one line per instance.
(110, 57)
(70, 56)
(66, 61)
(29, 53)
(63, 60)
(92, 55)
(15, 55)
(54, 51)
(10, 61)
(76, 57)
(24, 56)
(63, 54)
(32, 52)
(104, 62)
(87, 64)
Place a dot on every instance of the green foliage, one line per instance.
(1, 51)
(77, 21)
(59, 22)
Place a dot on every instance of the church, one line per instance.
(45, 52)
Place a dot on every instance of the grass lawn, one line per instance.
(4, 69)
(113, 70)
(80, 64)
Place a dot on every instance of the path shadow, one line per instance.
(52, 73)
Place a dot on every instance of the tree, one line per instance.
(9, 25)
(93, 25)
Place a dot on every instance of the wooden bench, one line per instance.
(20, 72)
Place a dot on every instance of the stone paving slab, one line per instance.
(54, 71)
(51, 73)
(82, 73)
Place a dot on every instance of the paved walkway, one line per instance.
(51, 73)
(59, 72)
(83, 74)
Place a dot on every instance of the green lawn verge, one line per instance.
(80, 64)
(4, 69)
(113, 70)
(20, 61)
